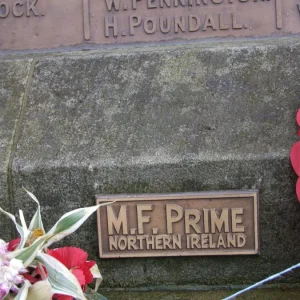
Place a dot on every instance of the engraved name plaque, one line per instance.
(36, 24)
(189, 224)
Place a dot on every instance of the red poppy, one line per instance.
(295, 157)
(295, 160)
(12, 245)
(75, 259)
(298, 189)
(32, 279)
(298, 117)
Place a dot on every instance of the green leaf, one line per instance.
(24, 233)
(61, 279)
(28, 254)
(70, 222)
(23, 292)
(36, 222)
(22, 219)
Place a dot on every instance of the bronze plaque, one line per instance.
(189, 224)
(36, 24)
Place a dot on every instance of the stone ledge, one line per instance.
(259, 294)
(270, 294)
(62, 189)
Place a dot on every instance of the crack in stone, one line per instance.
(15, 138)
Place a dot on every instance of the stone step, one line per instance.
(270, 294)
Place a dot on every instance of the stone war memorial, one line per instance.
(178, 118)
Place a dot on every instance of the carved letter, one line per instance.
(5, 14)
(167, 242)
(112, 24)
(211, 243)
(141, 219)
(235, 25)
(177, 241)
(123, 246)
(117, 222)
(179, 22)
(222, 25)
(191, 223)
(150, 242)
(150, 4)
(241, 240)
(173, 219)
(17, 13)
(165, 26)
(150, 29)
(235, 212)
(231, 240)
(206, 220)
(195, 239)
(209, 22)
(167, 2)
(182, 2)
(113, 3)
(219, 221)
(113, 243)
(158, 242)
(134, 21)
(132, 243)
(197, 24)
(140, 239)
(31, 6)
(204, 241)
(134, 4)
(221, 242)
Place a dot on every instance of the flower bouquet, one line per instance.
(30, 270)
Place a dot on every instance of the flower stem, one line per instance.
(42, 271)
(262, 282)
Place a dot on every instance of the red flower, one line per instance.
(32, 279)
(75, 259)
(295, 160)
(298, 189)
(12, 245)
(298, 117)
(295, 157)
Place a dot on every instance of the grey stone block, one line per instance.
(196, 117)
(13, 79)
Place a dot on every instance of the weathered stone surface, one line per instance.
(167, 119)
(13, 80)
(271, 294)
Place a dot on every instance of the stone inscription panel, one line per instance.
(30, 24)
(191, 224)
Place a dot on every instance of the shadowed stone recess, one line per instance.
(13, 80)
(167, 119)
